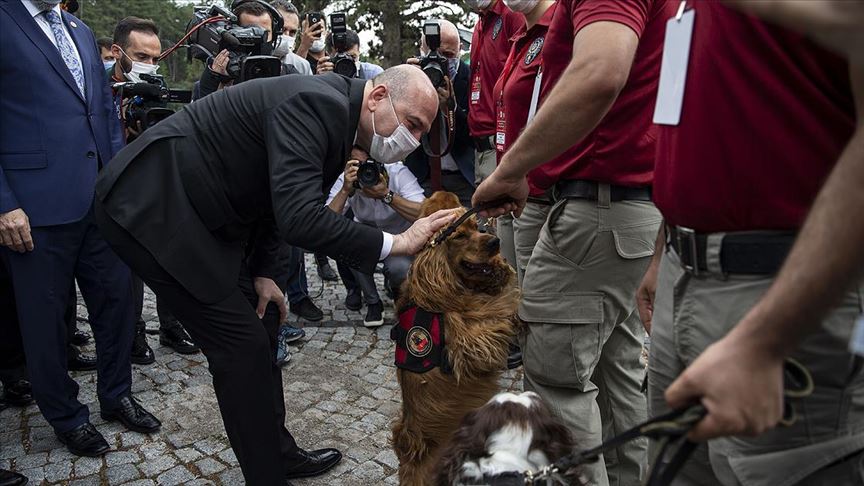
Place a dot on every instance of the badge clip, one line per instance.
(680, 12)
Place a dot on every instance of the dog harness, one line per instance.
(419, 337)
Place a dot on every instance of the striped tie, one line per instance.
(66, 49)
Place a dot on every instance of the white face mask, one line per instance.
(521, 6)
(317, 45)
(478, 4)
(394, 147)
(138, 68)
(285, 46)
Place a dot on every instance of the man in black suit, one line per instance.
(457, 167)
(179, 205)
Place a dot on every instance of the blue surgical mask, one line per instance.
(108, 64)
(452, 67)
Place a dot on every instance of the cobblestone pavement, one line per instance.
(340, 391)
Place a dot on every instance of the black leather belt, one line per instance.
(541, 200)
(482, 144)
(748, 253)
(588, 190)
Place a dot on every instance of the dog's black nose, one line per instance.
(493, 245)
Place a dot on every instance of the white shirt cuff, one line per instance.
(386, 245)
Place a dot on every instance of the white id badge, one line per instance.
(673, 69)
(535, 96)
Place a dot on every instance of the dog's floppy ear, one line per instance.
(439, 200)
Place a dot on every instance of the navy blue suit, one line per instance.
(53, 141)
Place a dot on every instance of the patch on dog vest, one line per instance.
(419, 337)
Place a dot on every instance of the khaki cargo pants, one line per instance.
(584, 338)
(484, 163)
(526, 231)
(825, 446)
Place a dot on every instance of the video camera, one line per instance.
(433, 63)
(343, 63)
(369, 173)
(214, 28)
(148, 100)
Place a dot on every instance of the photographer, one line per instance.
(136, 48)
(312, 39)
(365, 70)
(290, 28)
(457, 167)
(390, 205)
(215, 77)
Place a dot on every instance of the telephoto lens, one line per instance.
(369, 173)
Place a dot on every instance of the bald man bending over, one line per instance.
(197, 204)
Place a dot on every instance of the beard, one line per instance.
(45, 5)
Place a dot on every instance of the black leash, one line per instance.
(449, 230)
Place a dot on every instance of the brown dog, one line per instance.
(465, 282)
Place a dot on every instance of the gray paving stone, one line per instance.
(85, 466)
(209, 466)
(156, 465)
(176, 475)
(122, 473)
(121, 457)
(232, 477)
(58, 471)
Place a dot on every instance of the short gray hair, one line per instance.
(285, 5)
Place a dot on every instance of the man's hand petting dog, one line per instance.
(415, 238)
(501, 186)
(268, 292)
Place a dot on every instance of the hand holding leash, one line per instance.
(511, 192)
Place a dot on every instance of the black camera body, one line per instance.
(213, 29)
(148, 100)
(343, 63)
(369, 173)
(434, 64)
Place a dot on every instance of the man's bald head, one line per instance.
(450, 40)
(413, 98)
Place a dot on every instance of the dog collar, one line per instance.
(449, 230)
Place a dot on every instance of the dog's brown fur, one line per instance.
(479, 309)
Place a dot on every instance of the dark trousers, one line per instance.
(297, 287)
(452, 181)
(12, 364)
(166, 318)
(42, 279)
(240, 350)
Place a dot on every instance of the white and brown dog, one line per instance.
(510, 434)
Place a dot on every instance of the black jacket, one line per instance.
(463, 147)
(192, 188)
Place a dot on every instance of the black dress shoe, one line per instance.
(131, 414)
(313, 463)
(176, 338)
(9, 478)
(307, 310)
(80, 338)
(84, 440)
(77, 361)
(326, 273)
(142, 354)
(514, 359)
(18, 394)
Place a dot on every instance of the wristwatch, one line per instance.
(388, 199)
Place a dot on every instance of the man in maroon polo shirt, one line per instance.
(601, 62)
(490, 46)
(764, 114)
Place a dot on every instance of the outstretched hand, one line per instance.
(416, 237)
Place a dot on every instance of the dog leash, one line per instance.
(449, 230)
(671, 430)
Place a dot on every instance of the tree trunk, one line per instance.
(391, 19)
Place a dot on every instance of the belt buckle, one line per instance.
(690, 235)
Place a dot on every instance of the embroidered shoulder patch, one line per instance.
(534, 50)
(497, 28)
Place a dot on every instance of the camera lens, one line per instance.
(345, 67)
(436, 76)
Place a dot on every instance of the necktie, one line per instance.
(66, 50)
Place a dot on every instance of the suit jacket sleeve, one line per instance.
(302, 134)
(264, 257)
(8, 201)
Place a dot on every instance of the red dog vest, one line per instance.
(419, 337)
